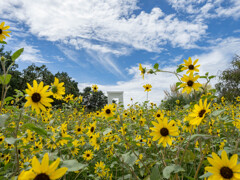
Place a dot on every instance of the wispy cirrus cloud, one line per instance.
(205, 9)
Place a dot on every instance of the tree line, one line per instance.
(91, 100)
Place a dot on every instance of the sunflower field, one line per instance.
(38, 141)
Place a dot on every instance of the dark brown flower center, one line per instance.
(1, 31)
(190, 83)
(108, 111)
(79, 129)
(164, 132)
(92, 129)
(36, 97)
(191, 67)
(201, 113)
(42, 176)
(158, 115)
(88, 155)
(1, 139)
(226, 172)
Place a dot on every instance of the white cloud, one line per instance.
(178, 58)
(216, 58)
(88, 23)
(60, 59)
(71, 54)
(30, 53)
(204, 9)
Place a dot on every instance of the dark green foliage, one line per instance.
(229, 81)
(170, 102)
(34, 72)
(93, 100)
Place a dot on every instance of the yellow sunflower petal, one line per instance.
(36, 165)
(58, 173)
(53, 166)
(45, 163)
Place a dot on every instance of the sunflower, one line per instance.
(199, 112)
(3, 33)
(190, 66)
(88, 155)
(38, 96)
(147, 87)
(43, 171)
(163, 130)
(190, 83)
(68, 98)
(223, 168)
(94, 88)
(107, 111)
(78, 129)
(91, 128)
(142, 70)
(100, 169)
(1, 138)
(57, 89)
(159, 115)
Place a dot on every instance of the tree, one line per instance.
(34, 72)
(93, 101)
(229, 81)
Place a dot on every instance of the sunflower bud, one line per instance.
(3, 58)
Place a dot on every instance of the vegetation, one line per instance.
(229, 81)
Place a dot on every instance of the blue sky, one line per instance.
(102, 42)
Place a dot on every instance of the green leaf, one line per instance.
(186, 106)
(67, 138)
(189, 156)
(3, 42)
(17, 54)
(128, 176)
(38, 130)
(10, 140)
(9, 98)
(217, 112)
(155, 174)
(203, 77)
(199, 135)
(171, 169)
(206, 74)
(179, 68)
(178, 84)
(129, 159)
(3, 118)
(210, 77)
(73, 165)
(108, 130)
(213, 90)
(206, 175)
(156, 66)
(5, 78)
